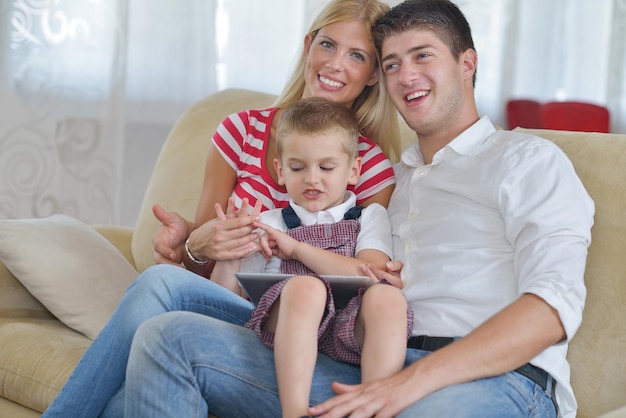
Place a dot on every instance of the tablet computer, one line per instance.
(343, 288)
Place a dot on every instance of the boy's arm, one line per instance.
(224, 270)
(324, 262)
(224, 275)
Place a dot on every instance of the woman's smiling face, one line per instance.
(340, 62)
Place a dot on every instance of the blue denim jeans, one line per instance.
(97, 381)
(186, 365)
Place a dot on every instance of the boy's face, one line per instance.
(428, 86)
(315, 170)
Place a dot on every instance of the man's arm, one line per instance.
(506, 341)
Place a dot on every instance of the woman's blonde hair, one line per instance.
(375, 112)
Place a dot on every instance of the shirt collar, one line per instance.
(464, 144)
(472, 137)
(331, 215)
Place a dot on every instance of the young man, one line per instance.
(493, 229)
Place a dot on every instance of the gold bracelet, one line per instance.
(192, 258)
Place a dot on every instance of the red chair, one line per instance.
(523, 113)
(575, 116)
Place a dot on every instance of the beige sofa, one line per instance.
(38, 352)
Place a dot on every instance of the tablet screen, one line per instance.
(343, 288)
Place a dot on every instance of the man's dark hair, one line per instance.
(442, 17)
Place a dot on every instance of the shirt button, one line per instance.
(420, 172)
(412, 213)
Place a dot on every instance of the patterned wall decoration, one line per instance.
(62, 95)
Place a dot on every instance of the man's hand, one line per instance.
(382, 398)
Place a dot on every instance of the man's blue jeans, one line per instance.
(186, 365)
(101, 372)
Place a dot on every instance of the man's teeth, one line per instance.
(315, 192)
(416, 95)
(330, 82)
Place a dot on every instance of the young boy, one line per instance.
(325, 234)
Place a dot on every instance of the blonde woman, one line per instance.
(339, 63)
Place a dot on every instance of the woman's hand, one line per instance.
(169, 240)
(229, 236)
(391, 274)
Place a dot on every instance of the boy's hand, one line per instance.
(276, 243)
(391, 274)
(232, 212)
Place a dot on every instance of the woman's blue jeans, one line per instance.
(101, 371)
(187, 364)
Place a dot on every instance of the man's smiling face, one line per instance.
(424, 80)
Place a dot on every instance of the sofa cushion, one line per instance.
(600, 343)
(16, 301)
(70, 268)
(37, 356)
(177, 178)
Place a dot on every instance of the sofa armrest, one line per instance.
(121, 238)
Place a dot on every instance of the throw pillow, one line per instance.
(70, 268)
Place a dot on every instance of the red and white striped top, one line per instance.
(242, 140)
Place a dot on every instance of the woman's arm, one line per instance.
(213, 238)
(382, 197)
(168, 243)
(224, 270)
(377, 179)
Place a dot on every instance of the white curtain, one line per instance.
(550, 51)
(90, 88)
(61, 94)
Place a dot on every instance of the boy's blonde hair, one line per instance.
(377, 117)
(315, 115)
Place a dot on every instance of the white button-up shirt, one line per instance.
(497, 214)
